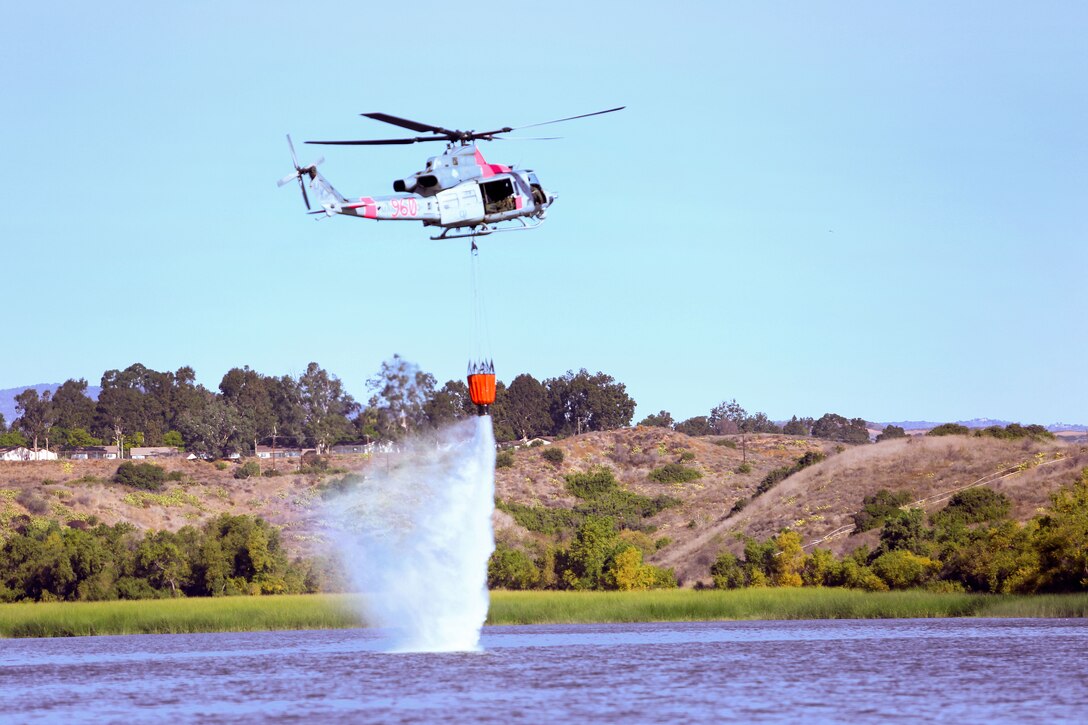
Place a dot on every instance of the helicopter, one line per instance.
(458, 190)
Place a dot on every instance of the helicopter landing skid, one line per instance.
(484, 229)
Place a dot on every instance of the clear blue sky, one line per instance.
(876, 209)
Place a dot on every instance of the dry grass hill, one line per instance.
(817, 501)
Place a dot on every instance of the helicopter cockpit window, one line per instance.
(498, 196)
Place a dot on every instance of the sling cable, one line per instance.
(481, 368)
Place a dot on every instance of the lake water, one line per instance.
(963, 670)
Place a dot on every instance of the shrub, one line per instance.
(726, 442)
(727, 572)
(594, 482)
(248, 469)
(553, 455)
(313, 463)
(778, 475)
(509, 568)
(541, 519)
(902, 569)
(32, 502)
(675, 473)
(949, 429)
(662, 543)
(1015, 430)
(976, 505)
(687, 456)
(504, 459)
(877, 508)
(145, 476)
(738, 506)
(890, 432)
(221, 465)
(744, 468)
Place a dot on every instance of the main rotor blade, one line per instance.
(406, 123)
(569, 118)
(382, 141)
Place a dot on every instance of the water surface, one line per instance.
(967, 670)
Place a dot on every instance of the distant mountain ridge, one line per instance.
(977, 423)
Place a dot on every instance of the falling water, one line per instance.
(415, 536)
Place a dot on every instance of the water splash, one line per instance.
(416, 535)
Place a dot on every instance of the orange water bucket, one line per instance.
(481, 388)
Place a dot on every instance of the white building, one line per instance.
(20, 453)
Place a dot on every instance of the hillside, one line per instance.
(816, 501)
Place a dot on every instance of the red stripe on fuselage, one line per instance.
(488, 170)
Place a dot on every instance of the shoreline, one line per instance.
(336, 611)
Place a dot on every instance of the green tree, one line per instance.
(525, 407)
(1061, 540)
(788, 560)
(448, 404)
(949, 429)
(727, 417)
(162, 561)
(903, 569)
(72, 407)
(697, 426)
(834, 427)
(905, 530)
(593, 545)
(821, 569)
(510, 568)
(759, 423)
(249, 394)
(890, 432)
(876, 508)
(35, 416)
(662, 419)
(214, 428)
(326, 407)
(580, 402)
(975, 506)
(12, 438)
(727, 572)
(798, 426)
(401, 392)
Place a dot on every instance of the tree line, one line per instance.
(87, 561)
(972, 544)
(139, 406)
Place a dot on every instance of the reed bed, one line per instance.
(682, 605)
(335, 611)
(177, 616)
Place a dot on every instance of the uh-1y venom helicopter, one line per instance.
(458, 191)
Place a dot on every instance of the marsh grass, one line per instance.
(335, 611)
(177, 616)
(681, 605)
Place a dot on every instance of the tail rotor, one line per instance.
(300, 171)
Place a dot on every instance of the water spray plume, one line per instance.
(415, 536)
